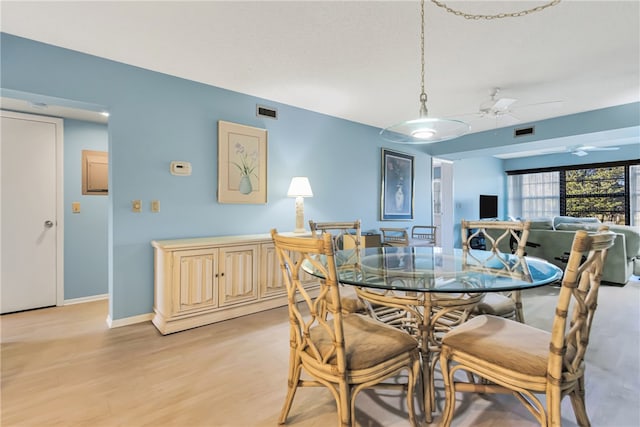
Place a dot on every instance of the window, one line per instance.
(634, 194)
(610, 192)
(534, 195)
(595, 192)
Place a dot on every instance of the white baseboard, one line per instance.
(86, 299)
(129, 320)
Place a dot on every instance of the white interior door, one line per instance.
(31, 229)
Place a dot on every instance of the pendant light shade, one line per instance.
(424, 129)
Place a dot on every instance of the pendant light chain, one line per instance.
(427, 130)
(423, 94)
(499, 15)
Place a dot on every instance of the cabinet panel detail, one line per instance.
(238, 276)
(271, 282)
(196, 279)
(196, 273)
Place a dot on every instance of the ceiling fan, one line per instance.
(495, 106)
(577, 150)
(503, 109)
(583, 150)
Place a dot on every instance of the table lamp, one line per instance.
(299, 188)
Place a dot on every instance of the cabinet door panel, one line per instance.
(238, 274)
(196, 278)
(271, 282)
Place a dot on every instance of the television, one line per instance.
(488, 206)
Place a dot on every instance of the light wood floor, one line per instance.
(63, 367)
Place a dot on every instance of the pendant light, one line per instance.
(424, 130)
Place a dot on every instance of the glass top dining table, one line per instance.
(426, 285)
(432, 269)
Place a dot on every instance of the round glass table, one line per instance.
(431, 269)
(427, 291)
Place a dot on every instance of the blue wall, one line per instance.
(156, 118)
(471, 178)
(85, 233)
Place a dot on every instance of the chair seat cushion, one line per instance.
(503, 342)
(367, 341)
(496, 304)
(352, 305)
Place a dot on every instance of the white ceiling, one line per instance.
(361, 60)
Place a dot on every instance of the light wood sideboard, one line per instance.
(205, 280)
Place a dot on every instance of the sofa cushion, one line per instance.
(541, 223)
(576, 226)
(631, 234)
(557, 220)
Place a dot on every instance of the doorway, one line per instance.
(443, 206)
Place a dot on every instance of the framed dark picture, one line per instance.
(397, 186)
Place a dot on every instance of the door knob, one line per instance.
(48, 224)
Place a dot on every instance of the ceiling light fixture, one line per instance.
(424, 130)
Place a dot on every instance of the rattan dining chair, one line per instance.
(518, 359)
(499, 236)
(344, 352)
(424, 234)
(393, 236)
(345, 234)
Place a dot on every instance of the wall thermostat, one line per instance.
(180, 168)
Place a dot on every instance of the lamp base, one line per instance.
(299, 215)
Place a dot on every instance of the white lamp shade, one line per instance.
(300, 187)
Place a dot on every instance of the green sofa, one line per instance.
(551, 239)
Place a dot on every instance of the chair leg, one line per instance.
(449, 390)
(519, 315)
(346, 405)
(578, 403)
(414, 375)
(554, 398)
(426, 386)
(295, 369)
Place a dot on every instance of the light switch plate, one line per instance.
(136, 206)
(75, 207)
(155, 206)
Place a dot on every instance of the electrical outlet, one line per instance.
(136, 206)
(155, 206)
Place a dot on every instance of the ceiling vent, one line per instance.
(523, 131)
(262, 111)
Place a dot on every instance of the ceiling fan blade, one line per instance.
(503, 104)
(548, 104)
(599, 148)
(474, 114)
(508, 119)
